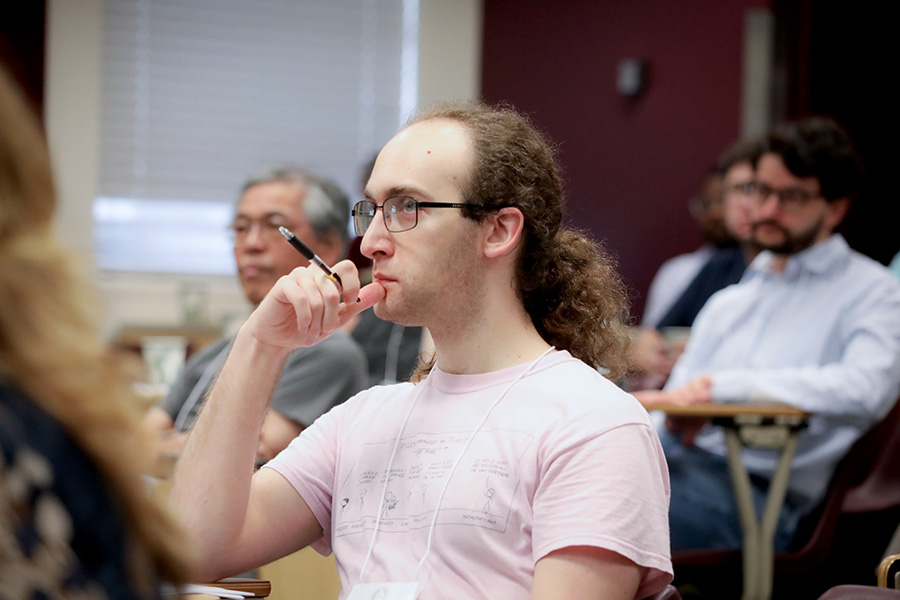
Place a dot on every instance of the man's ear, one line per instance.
(837, 211)
(504, 230)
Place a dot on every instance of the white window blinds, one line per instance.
(199, 94)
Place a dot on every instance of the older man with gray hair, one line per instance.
(314, 379)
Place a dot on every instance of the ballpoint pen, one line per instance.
(312, 257)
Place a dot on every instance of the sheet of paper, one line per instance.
(192, 588)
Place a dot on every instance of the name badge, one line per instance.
(387, 590)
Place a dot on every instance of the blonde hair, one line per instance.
(51, 349)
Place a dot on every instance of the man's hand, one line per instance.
(696, 391)
(238, 525)
(649, 358)
(305, 307)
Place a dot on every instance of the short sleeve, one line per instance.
(608, 490)
(318, 378)
(309, 465)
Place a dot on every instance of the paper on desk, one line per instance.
(192, 588)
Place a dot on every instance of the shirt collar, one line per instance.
(818, 258)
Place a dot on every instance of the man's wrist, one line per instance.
(258, 351)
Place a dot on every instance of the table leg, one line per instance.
(774, 502)
(749, 524)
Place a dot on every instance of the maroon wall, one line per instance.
(630, 164)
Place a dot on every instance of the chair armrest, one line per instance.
(888, 570)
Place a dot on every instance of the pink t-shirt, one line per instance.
(565, 459)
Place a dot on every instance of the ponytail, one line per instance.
(576, 300)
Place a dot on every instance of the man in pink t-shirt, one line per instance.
(511, 469)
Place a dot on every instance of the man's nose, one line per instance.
(256, 237)
(377, 237)
(769, 206)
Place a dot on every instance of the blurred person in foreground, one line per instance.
(314, 379)
(511, 468)
(76, 518)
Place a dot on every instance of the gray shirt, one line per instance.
(312, 382)
(392, 350)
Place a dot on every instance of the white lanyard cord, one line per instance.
(466, 447)
(459, 458)
(387, 477)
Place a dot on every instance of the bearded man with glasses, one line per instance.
(314, 379)
(511, 468)
(812, 324)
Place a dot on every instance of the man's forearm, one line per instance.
(839, 390)
(212, 478)
(584, 572)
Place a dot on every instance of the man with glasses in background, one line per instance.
(314, 379)
(812, 324)
(512, 468)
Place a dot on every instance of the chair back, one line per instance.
(867, 480)
(859, 592)
(669, 593)
(889, 571)
(880, 489)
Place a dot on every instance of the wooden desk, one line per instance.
(774, 426)
(257, 588)
(303, 574)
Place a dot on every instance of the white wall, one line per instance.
(449, 69)
(450, 50)
(72, 112)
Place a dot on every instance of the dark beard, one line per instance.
(792, 243)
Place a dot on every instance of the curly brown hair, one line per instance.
(568, 283)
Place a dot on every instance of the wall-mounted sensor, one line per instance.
(630, 76)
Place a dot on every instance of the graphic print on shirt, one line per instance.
(480, 492)
(489, 494)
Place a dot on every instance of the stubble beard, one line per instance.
(446, 297)
(791, 243)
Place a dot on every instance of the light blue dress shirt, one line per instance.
(895, 265)
(824, 336)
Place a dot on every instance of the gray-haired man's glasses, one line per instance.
(401, 213)
(241, 228)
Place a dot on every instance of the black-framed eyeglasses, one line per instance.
(241, 228)
(744, 188)
(401, 213)
(789, 198)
